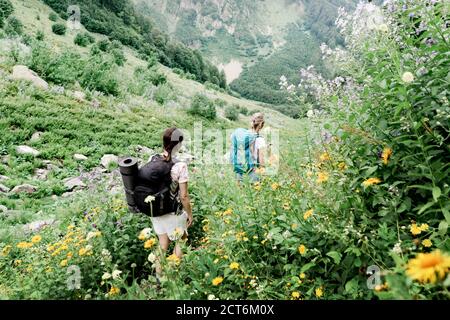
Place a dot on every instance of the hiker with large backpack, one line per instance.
(162, 192)
(247, 147)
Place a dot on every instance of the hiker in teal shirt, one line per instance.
(247, 149)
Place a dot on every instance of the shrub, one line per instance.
(232, 113)
(119, 56)
(13, 26)
(83, 39)
(163, 94)
(6, 9)
(203, 107)
(59, 29)
(53, 16)
(40, 35)
(100, 74)
(243, 110)
(104, 45)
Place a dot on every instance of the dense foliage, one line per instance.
(6, 9)
(119, 21)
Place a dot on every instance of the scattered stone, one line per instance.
(4, 189)
(5, 159)
(3, 178)
(27, 150)
(73, 183)
(24, 188)
(23, 73)
(96, 104)
(108, 159)
(41, 174)
(79, 157)
(144, 150)
(36, 136)
(3, 209)
(79, 96)
(58, 89)
(36, 226)
(54, 197)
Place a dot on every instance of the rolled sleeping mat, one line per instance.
(128, 168)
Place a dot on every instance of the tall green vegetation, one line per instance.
(120, 21)
(202, 106)
(261, 81)
(6, 9)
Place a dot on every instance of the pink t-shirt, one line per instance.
(180, 173)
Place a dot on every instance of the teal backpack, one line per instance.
(241, 153)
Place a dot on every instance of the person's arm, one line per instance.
(186, 202)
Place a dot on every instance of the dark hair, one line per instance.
(171, 138)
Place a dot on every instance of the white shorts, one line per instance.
(172, 225)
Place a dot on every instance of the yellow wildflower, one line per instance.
(6, 250)
(294, 226)
(69, 255)
(228, 212)
(371, 181)
(322, 177)
(427, 243)
(386, 155)
(173, 258)
(216, 281)
(275, 186)
(24, 245)
(295, 295)
(415, 230)
(302, 275)
(342, 166)
(257, 186)
(308, 214)
(114, 291)
(324, 157)
(302, 249)
(82, 252)
(429, 267)
(149, 243)
(319, 292)
(234, 266)
(63, 263)
(36, 239)
(424, 227)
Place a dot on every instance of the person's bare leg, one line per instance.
(164, 243)
(177, 250)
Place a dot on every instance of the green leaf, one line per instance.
(335, 255)
(351, 286)
(307, 266)
(436, 193)
(443, 226)
(425, 207)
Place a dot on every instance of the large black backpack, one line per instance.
(154, 180)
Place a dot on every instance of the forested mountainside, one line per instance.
(255, 42)
(119, 20)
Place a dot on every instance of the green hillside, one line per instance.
(353, 203)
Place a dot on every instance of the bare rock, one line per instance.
(79, 96)
(27, 150)
(4, 189)
(3, 178)
(144, 150)
(108, 159)
(3, 209)
(5, 159)
(23, 73)
(58, 89)
(24, 188)
(36, 136)
(73, 183)
(36, 226)
(96, 104)
(41, 174)
(79, 157)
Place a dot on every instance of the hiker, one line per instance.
(169, 177)
(247, 152)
